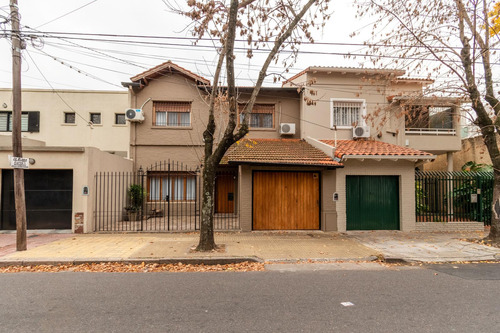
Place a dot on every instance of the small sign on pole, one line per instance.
(19, 162)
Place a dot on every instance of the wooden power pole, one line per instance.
(17, 148)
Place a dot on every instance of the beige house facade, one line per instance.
(73, 118)
(334, 149)
(68, 136)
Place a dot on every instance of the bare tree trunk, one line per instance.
(213, 156)
(207, 241)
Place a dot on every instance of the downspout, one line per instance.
(135, 134)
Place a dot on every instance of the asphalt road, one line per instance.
(431, 299)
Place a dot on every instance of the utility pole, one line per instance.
(17, 148)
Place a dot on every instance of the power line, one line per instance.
(55, 91)
(64, 15)
(236, 40)
(244, 50)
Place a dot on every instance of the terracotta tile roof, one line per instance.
(157, 71)
(373, 148)
(278, 151)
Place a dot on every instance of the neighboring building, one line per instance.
(473, 149)
(62, 118)
(333, 149)
(68, 135)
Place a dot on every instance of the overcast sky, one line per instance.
(82, 64)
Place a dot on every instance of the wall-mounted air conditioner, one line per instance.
(287, 129)
(134, 115)
(361, 132)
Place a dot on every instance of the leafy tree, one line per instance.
(445, 38)
(476, 167)
(494, 20)
(267, 25)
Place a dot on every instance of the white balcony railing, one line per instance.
(430, 131)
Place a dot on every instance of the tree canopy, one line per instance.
(447, 39)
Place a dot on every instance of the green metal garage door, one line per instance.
(372, 202)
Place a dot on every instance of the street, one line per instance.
(435, 298)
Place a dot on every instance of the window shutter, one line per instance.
(34, 121)
(172, 106)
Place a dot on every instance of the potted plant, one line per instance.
(136, 195)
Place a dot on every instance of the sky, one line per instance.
(68, 62)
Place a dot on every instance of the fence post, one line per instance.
(169, 193)
(141, 174)
(479, 194)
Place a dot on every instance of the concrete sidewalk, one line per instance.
(427, 246)
(257, 246)
(252, 246)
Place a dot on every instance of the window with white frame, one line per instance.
(347, 112)
(174, 114)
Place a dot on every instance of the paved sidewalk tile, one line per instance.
(427, 247)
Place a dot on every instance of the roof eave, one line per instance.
(411, 158)
(264, 163)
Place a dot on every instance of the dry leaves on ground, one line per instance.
(136, 268)
(482, 241)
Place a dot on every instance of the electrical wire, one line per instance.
(68, 13)
(56, 92)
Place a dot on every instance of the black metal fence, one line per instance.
(453, 196)
(164, 197)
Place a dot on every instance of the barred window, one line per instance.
(262, 115)
(346, 112)
(176, 114)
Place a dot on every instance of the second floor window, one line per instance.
(175, 114)
(30, 121)
(347, 112)
(429, 117)
(262, 115)
(95, 118)
(120, 119)
(69, 118)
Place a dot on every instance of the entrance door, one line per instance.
(372, 202)
(286, 200)
(49, 199)
(224, 189)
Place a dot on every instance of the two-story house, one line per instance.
(68, 135)
(333, 149)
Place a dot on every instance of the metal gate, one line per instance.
(164, 197)
(453, 196)
(49, 199)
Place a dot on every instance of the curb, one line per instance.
(319, 260)
(426, 262)
(187, 261)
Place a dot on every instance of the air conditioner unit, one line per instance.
(361, 132)
(135, 115)
(287, 128)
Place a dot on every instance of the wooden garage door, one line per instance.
(285, 200)
(372, 202)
